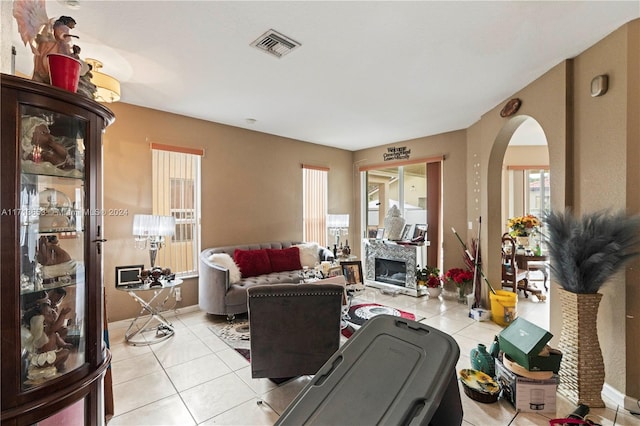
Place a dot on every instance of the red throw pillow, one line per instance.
(284, 259)
(252, 262)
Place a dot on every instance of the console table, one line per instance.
(154, 308)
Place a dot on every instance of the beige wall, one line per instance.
(593, 156)
(251, 187)
(602, 141)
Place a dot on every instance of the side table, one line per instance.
(153, 307)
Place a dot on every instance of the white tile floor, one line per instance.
(194, 378)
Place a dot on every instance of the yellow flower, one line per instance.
(521, 226)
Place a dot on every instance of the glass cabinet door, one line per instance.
(52, 244)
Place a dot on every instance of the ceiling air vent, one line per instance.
(275, 43)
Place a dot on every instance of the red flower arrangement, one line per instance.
(433, 281)
(459, 276)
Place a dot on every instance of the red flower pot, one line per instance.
(64, 71)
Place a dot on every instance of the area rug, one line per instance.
(235, 335)
(359, 314)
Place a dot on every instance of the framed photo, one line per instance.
(420, 230)
(407, 233)
(372, 231)
(380, 234)
(352, 272)
(334, 271)
(128, 276)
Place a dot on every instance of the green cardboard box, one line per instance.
(523, 341)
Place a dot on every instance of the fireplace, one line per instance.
(392, 266)
(391, 271)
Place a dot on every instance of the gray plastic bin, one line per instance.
(392, 371)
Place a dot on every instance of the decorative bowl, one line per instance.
(479, 386)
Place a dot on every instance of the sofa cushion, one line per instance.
(308, 254)
(252, 262)
(284, 259)
(224, 260)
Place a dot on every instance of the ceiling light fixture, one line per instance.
(108, 88)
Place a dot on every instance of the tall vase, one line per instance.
(582, 368)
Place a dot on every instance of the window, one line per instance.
(176, 192)
(314, 212)
(537, 190)
(415, 187)
(528, 191)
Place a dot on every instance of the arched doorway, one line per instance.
(519, 171)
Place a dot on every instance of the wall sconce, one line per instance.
(108, 88)
(338, 224)
(150, 230)
(599, 85)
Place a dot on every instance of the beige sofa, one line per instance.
(219, 294)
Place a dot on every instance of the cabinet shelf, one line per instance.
(53, 353)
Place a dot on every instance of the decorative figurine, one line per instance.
(394, 223)
(45, 36)
(47, 351)
(41, 152)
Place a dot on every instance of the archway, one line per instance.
(519, 130)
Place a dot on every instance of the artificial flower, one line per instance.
(522, 226)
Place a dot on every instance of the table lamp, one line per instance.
(338, 224)
(151, 230)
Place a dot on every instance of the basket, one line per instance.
(479, 386)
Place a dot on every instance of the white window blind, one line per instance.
(176, 192)
(314, 183)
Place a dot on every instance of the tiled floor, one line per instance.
(194, 378)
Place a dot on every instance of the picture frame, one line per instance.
(334, 271)
(372, 231)
(128, 276)
(407, 232)
(420, 230)
(352, 272)
(380, 233)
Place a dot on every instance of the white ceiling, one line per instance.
(367, 73)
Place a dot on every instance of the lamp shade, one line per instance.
(153, 225)
(337, 221)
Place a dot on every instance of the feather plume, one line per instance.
(586, 251)
(31, 16)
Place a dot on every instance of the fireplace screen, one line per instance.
(391, 272)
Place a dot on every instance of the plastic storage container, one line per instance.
(393, 371)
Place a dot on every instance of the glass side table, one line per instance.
(150, 317)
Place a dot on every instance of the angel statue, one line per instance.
(43, 35)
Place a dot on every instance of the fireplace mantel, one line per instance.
(411, 255)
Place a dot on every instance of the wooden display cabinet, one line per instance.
(53, 354)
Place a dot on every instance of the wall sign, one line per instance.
(397, 153)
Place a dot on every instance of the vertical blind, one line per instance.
(176, 192)
(314, 203)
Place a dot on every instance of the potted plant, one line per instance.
(429, 277)
(522, 227)
(463, 280)
(585, 252)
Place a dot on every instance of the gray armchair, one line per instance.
(295, 328)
